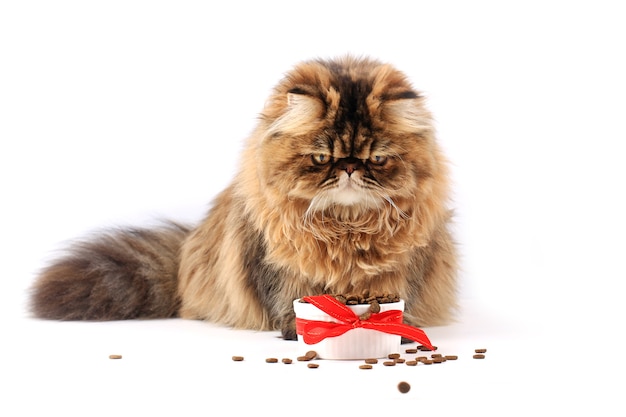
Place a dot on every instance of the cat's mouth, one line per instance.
(349, 191)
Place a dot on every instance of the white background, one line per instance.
(122, 112)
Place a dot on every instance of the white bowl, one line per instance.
(356, 343)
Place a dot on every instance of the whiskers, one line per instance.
(372, 205)
(318, 204)
(401, 213)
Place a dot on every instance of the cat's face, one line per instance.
(342, 134)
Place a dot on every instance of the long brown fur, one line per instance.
(342, 188)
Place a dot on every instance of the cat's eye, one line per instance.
(320, 158)
(378, 159)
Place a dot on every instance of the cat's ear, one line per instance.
(302, 112)
(408, 115)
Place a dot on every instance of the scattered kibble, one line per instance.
(309, 356)
(271, 360)
(480, 350)
(115, 356)
(426, 349)
(404, 387)
(479, 356)
(237, 358)
(287, 361)
(366, 366)
(312, 365)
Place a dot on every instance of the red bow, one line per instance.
(390, 322)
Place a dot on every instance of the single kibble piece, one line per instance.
(374, 306)
(480, 350)
(411, 363)
(393, 355)
(115, 356)
(312, 365)
(479, 356)
(427, 362)
(352, 297)
(411, 351)
(399, 360)
(365, 316)
(436, 355)
(271, 360)
(311, 354)
(389, 363)
(237, 358)
(371, 361)
(287, 361)
(451, 357)
(366, 366)
(404, 387)
(425, 349)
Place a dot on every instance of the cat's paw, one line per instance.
(289, 333)
(288, 327)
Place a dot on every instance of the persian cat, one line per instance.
(342, 188)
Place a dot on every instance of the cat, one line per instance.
(342, 188)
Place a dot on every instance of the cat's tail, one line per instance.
(120, 274)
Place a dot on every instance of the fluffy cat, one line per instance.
(342, 188)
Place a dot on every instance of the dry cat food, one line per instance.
(309, 356)
(425, 349)
(394, 358)
(115, 356)
(365, 298)
(404, 387)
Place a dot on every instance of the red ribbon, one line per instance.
(390, 322)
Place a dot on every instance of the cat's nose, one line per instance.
(350, 165)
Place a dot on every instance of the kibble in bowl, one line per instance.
(356, 343)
